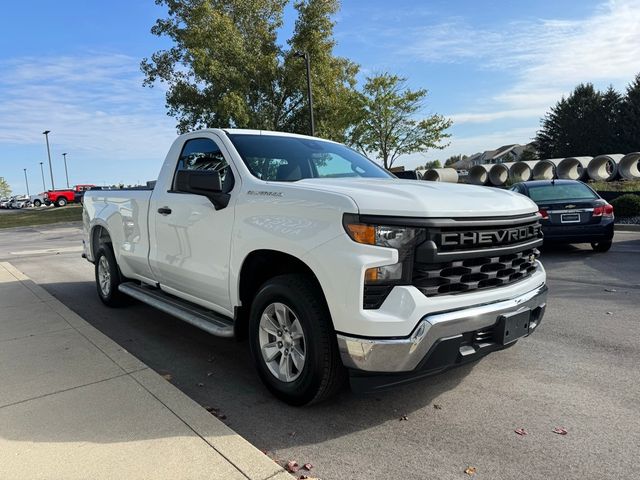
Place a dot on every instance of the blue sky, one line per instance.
(494, 67)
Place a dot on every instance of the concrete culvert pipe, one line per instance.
(499, 174)
(545, 169)
(573, 168)
(629, 166)
(522, 171)
(604, 167)
(441, 175)
(479, 174)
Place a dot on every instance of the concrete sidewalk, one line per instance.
(75, 405)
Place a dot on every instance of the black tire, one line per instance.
(601, 247)
(110, 296)
(61, 202)
(37, 203)
(322, 374)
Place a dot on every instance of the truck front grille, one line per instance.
(474, 273)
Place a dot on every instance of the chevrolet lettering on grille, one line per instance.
(490, 237)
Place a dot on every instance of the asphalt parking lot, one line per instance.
(578, 371)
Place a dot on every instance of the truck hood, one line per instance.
(417, 198)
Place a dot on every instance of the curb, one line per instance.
(620, 227)
(247, 459)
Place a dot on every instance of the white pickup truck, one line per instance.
(330, 265)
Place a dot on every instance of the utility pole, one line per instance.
(26, 181)
(46, 136)
(65, 168)
(307, 61)
(42, 171)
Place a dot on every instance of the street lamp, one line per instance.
(26, 181)
(46, 136)
(307, 61)
(65, 168)
(42, 171)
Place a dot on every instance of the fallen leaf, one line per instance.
(437, 407)
(292, 434)
(404, 417)
(201, 384)
(560, 430)
(209, 374)
(610, 290)
(212, 409)
(292, 466)
(219, 415)
(167, 376)
(307, 466)
(471, 471)
(609, 313)
(520, 431)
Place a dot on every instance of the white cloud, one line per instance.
(94, 104)
(546, 58)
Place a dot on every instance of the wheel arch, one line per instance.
(260, 266)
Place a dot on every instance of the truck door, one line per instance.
(190, 254)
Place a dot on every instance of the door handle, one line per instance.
(164, 211)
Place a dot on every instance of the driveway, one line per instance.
(578, 371)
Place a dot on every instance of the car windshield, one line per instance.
(560, 191)
(287, 159)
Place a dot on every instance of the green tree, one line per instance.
(226, 69)
(585, 123)
(528, 154)
(5, 189)
(433, 164)
(386, 125)
(630, 118)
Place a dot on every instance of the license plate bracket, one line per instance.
(570, 218)
(514, 325)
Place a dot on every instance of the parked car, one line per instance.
(408, 174)
(329, 264)
(4, 202)
(572, 212)
(39, 199)
(19, 201)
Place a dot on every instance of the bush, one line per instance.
(627, 205)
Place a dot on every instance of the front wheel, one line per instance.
(108, 278)
(61, 202)
(293, 342)
(37, 203)
(603, 246)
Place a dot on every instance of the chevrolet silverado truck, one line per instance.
(328, 264)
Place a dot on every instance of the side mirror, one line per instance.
(202, 182)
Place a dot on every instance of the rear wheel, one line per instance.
(292, 341)
(61, 202)
(603, 246)
(108, 278)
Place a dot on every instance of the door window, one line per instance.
(204, 154)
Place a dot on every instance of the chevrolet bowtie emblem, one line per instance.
(570, 206)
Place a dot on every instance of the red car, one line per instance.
(62, 197)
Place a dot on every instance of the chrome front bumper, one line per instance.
(405, 354)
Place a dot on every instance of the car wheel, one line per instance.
(37, 203)
(293, 342)
(61, 202)
(603, 246)
(108, 278)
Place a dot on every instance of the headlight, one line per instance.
(403, 239)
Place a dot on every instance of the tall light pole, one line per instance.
(26, 181)
(42, 171)
(46, 136)
(65, 168)
(307, 61)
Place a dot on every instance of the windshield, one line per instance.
(287, 159)
(561, 191)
